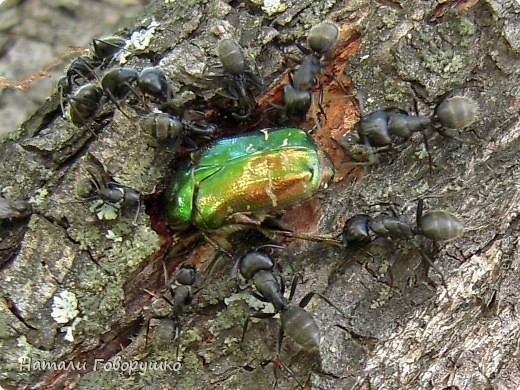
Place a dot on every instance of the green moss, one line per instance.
(384, 296)
(191, 362)
(423, 153)
(88, 236)
(214, 293)
(101, 379)
(398, 91)
(494, 54)
(189, 336)
(390, 19)
(227, 319)
(420, 189)
(127, 250)
(466, 27)
(24, 353)
(383, 268)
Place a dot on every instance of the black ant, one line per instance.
(109, 197)
(239, 80)
(295, 321)
(166, 127)
(169, 326)
(376, 129)
(437, 225)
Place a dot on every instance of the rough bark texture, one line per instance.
(401, 329)
(38, 35)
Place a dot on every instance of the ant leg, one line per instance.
(427, 147)
(139, 96)
(134, 222)
(280, 340)
(315, 113)
(307, 298)
(177, 332)
(260, 297)
(294, 283)
(320, 101)
(282, 284)
(116, 103)
(302, 48)
(419, 213)
(162, 297)
(96, 42)
(340, 84)
(259, 315)
(291, 373)
(454, 137)
(147, 332)
(63, 93)
(372, 156)
(432, 264)
(166, 277)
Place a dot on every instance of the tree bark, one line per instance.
(400, 327)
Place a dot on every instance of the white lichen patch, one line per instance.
(259, 305)
(271, 7)
(68, 330)
(64, 307)
(236, 297)
(138, 42)
(39, 197)
(111, 235)
(105, 211)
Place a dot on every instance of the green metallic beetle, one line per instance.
(248, 175)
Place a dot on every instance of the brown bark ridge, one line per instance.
(75, 306)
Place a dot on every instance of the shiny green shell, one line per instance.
(247, 174)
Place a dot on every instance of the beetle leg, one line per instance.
(309, 237)
(244, 219)
(196, 188)
(220, 243)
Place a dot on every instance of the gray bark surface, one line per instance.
(38, 38)
(400, 328)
